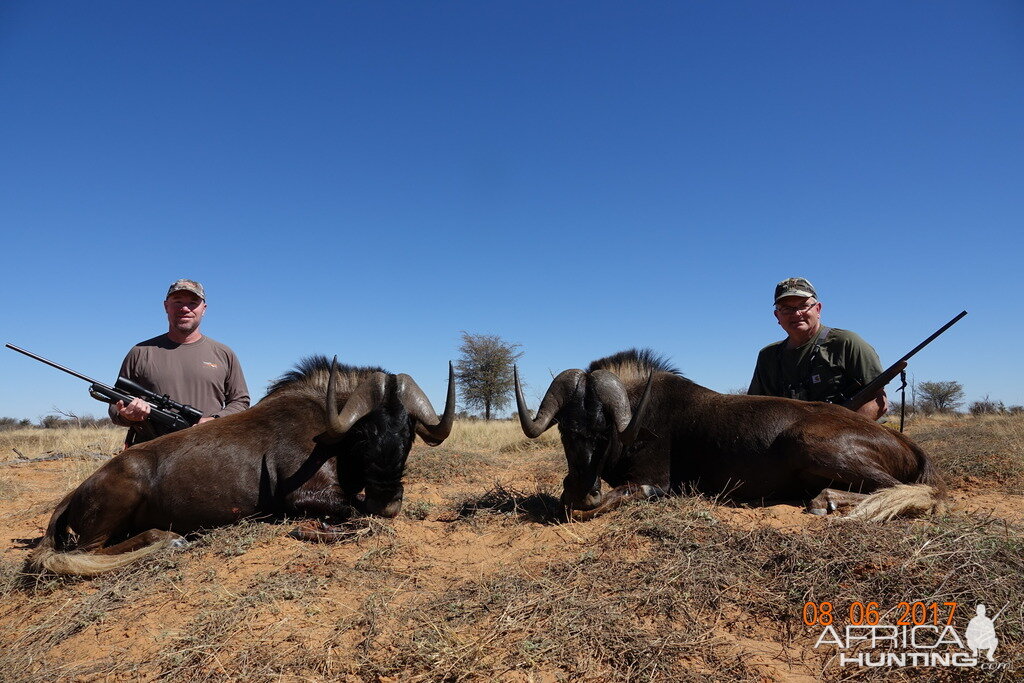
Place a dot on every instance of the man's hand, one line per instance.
(876, 407)
(205, 419)
(136, 411)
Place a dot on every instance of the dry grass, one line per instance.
(35, 443)
(969, 450)
(497, 436)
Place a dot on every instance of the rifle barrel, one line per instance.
(930, 339)
(79, 375)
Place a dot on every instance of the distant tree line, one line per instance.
(948, 397)
(54, 421)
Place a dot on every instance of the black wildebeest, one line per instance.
(321, 435)
(633, 421)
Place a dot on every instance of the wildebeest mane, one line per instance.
(634, 365)
(312, 372)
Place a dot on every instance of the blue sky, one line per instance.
(369, 179)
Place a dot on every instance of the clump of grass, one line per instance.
(418, 510)
(539, 506)
(236, 539)
(10, 488)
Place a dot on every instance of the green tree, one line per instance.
(940, 397)
(484, 371)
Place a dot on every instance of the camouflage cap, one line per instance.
(795, 286)
(186, 285)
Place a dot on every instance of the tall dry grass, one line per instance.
(972, 449)
(85, 449)
(497, 436)
(35, 443)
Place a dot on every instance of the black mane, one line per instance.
(314, 371)
(641, 361)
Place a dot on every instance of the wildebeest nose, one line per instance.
(390, 510)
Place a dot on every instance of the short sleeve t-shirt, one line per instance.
(204, 374)
(832, 369)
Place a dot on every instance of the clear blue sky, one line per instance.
(368, 179)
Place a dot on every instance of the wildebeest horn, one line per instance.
(629, 434)
(612, 393)
(429, 428)
(367, 396)
(561, 388)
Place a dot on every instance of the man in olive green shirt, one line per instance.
(814, 362)
(191, 368)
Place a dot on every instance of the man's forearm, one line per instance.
(875, 408)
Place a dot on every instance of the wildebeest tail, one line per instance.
(85, 564)
(903, 500)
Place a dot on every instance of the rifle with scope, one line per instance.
(165, 414)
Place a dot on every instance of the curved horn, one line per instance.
(367, 396)
(430, 429)
(612, 394)
(629, 434)
(561, 388)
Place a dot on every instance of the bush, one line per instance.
(986, 406)
(72, 421)
(8, 423)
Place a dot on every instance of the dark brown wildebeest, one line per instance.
(308, 448)
(633, 421)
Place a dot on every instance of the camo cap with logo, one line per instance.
(794, 286)
(186, 285)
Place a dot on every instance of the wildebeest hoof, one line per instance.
(817, 511)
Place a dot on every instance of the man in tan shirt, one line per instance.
(191, 368)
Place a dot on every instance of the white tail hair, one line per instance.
(910, 500)
(90, 564)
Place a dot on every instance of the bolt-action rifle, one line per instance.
(166, 414)
(871, 388)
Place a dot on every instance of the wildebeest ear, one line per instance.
(644, 436)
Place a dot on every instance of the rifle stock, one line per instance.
(871, 389)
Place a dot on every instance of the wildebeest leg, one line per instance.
(319, 532)
(858, 473)
(146, 538)
(616, 497)
(324, 503)
(830, 500)
(320, 496)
